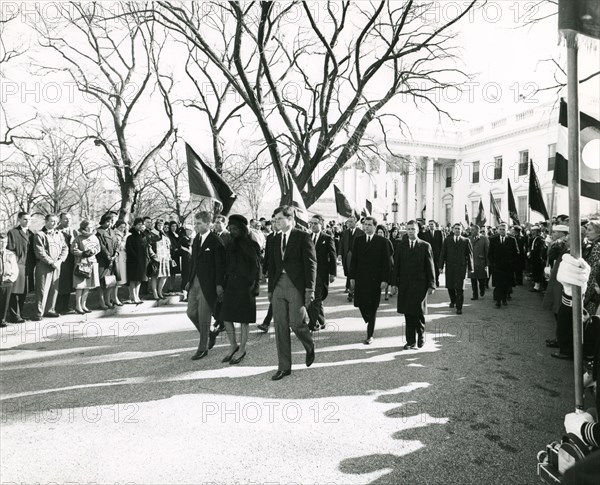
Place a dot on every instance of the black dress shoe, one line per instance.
(18, 320)
(558, 355)
(451, 305)
(263, 327)
(228, 358)
(37, 318)
(237, 360)
(504, 302)
(497, 305)
(482, 294)
(310, 357)
(420, 343)
(212, 338)
(369, 341)
(200, 355)
(474, 298)
(2, 325)
(280, 374)
(459, 312)
(52, 315)
(409, 346)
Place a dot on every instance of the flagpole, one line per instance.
(574, 209)
(552, 202)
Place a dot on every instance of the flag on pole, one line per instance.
(206, 183)
(579, 16)
(423, 210)
(512, 207)
(589, 166)
(301, 214)
(467, 216)
(480, 220)
(369, 207)
(536, 199)
(342, 206)
(495, 210)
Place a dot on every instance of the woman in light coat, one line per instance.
(84, 247)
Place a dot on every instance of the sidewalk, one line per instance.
(117, 400)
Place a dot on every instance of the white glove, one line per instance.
(573, 422)
(573, 272)
(547, 270)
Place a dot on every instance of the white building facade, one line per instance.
(441, 175)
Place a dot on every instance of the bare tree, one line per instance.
(114, 61)
(366, 55)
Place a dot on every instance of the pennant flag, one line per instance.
(495, 210)
(363, 213)
(480, 220)
(369, 207)
(589, 166)
(342, 206)
(356, 215)
(467, 216)
(536, 199)
(579, 16)
(301, 214)
(206, 183)
(423, 210)
(512, 207)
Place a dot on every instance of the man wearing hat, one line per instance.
(502, 256)
(9, 271)
(536, 257)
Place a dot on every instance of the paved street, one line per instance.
(118, 400)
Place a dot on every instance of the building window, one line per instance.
(497, 168)
(475, 179)
(523, 162)
(522, 208)
(374, 191)
(448, 177)
(551, 156)
(448, 214)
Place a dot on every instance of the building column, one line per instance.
(411, 181)
(429, 188)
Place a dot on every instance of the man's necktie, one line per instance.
(315, 239)
(501, 240)
(456, 239)
(368, 239)
(284, 243)
(412, 245)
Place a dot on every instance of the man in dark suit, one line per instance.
(326, 271)
(537, 258)
(65, 283)
(413, 277)
(346, 243)
(20, 241)
(457, 256)
(207, 274)
(521, 261)
(292, 277)
(502, 255)
(220, 230)
(369, 273)
(435, 238)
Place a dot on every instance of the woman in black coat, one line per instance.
(242, 282)
(136, 248)
(175, 239)
(185, 247)
(383, 232)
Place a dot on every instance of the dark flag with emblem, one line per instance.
(589, 168)
(512, 207)
(205, 183)
(536, 198)
(342, 206)
(467, 216)
(480, 220)
(369, 207)
(495, 210)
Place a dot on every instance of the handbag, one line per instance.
(83, 269)
(152, 269)
(110, 281)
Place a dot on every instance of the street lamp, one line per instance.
(395, 210)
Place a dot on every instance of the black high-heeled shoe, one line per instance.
(237, 360)
(227, 358)
(79, 312)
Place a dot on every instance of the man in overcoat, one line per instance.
(346, 244)
(292, 276)
(521, 261)
(326, 271)
(479, 276)
(50, 252)
(433, 235)
(457, 256)
(9, 271)
(207, 275)
(537, 258)
(504, 251)
(369, 273)
(20, 242)
(413, 277)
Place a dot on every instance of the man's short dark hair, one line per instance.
(431, 220)
(221, 218)
(147, 218)
(372, 219)
(203, 216)
(48, 216)
(457, 224)
(412, 222)
(285, 210)
(319, 218)
(475, 226)
(21, 214)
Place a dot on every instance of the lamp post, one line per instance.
(385, 214)
(395, 210)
